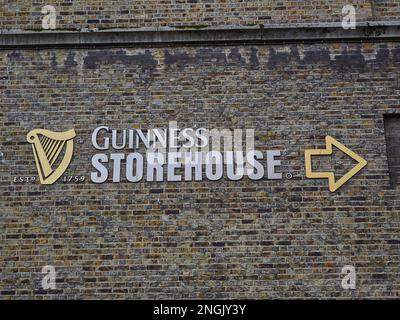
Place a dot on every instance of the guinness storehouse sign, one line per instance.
(183, 154)
(174, 154)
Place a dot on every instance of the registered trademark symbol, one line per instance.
(289, 176)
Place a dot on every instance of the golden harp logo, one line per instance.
(47, 146)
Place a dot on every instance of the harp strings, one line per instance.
(51, 148)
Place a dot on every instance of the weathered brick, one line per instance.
(203, 239)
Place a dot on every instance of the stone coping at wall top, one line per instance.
(321, 32)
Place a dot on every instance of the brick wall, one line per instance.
(226, 239)
(387, 9)
(80, 14)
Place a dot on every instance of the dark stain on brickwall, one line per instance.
(235, 57)
(312, 56)
(278, 58)
(14, 55)
(179, 58)
(294, 51)
(254, 62)
(349, 60)
(207, 55)
(96, 58)
(70, 60)
(215, 56)
(316, 56)
(383, 53)
(53, 59)
(396, 54)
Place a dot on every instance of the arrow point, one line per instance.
(334, 185)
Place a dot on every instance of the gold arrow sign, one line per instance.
(333, 185)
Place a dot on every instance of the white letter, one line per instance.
(230, 164)
(102, 174)
(94, 139)
(139, 167)
(349, 20)
(160, 139)
(256, 172)
(172, 165)
(114, 139)
(196, 164)
(189, 137)
(173, 136)
(155, 162)
(272, 163)
(202, 137)
(49, 280)
(49, 20)
(117, 157)
(140, 136)
(349, 281)
(214, 157)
